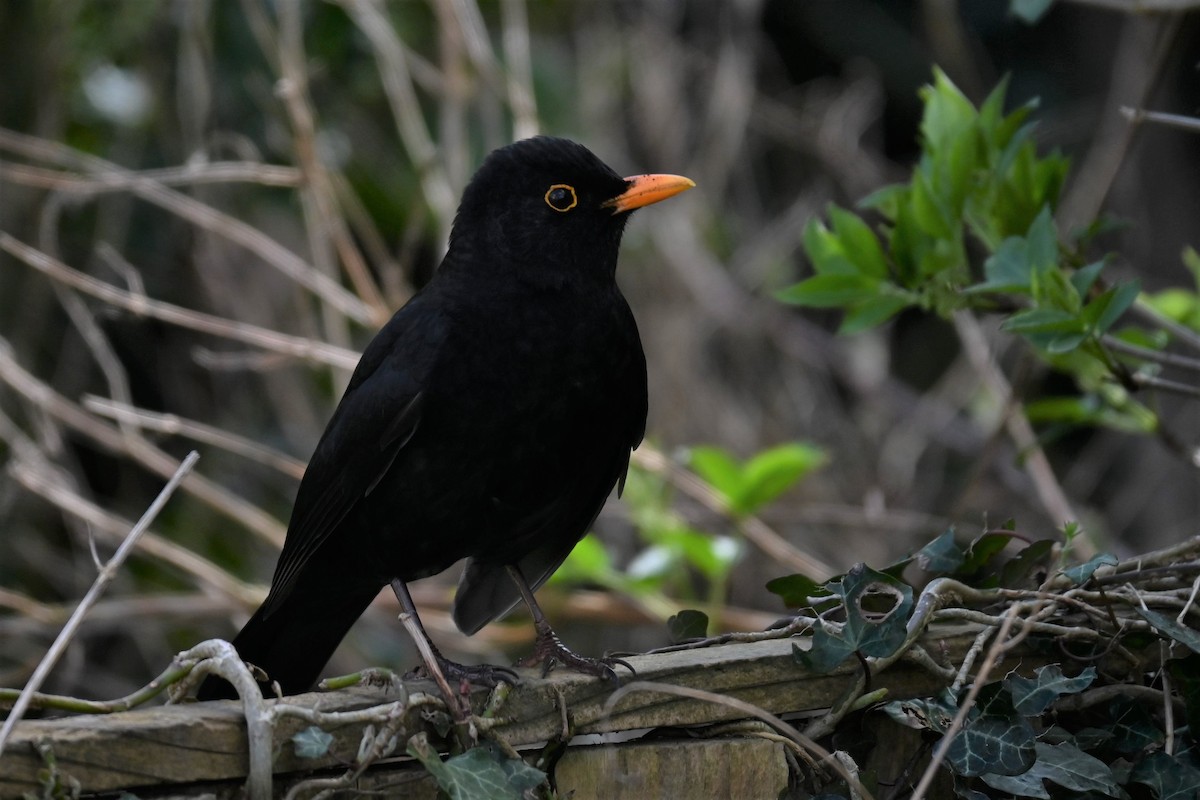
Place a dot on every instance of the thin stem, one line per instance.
(1149, 354)
(107, 573)
(139, 305)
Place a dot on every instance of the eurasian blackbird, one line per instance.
(488, 420)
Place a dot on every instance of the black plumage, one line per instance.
(489, 419)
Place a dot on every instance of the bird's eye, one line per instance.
(561, 197)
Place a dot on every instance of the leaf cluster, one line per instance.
(1069, 730)
(973, 230)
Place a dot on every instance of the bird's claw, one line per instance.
(549, 652)
(487, 675)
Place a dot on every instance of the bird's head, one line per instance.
(551, 211)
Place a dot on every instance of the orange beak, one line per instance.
(646, 189)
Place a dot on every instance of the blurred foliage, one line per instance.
(980, 177)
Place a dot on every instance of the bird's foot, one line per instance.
(549, 652)
(486, 675)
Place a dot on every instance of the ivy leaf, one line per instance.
(1171, 628)
(481, 773)
(1071, 768)
(1064, 764)
(877, 609)
(942, 556)
(1134, 730)
(827, 651)
(992, 744)
(1018, 571)
(1169, 777)
(1081, 574)
(688, 624)
(982, 549)
(312, 742)
(796, 590)
(1185, 675)
(1033, 696)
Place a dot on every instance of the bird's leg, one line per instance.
(441, 669)
(548, 649)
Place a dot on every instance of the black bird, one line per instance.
(489, 420)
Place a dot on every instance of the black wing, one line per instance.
(376, 417)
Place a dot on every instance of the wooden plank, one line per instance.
(741, 768)
(207, 741)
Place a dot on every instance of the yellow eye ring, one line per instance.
(561, 191)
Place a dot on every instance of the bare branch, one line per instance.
(102, 580)
(139, 305)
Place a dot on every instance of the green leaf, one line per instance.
(1171, 628)
(948, 112)
(1033, 696)
(589, 562)
(747, 487)
(1104, 311)
(1084, 277)
(481, 773)
(1180, 305)
(859, 243)
(1185, 675)
(1043, 320)
(1050, 329)
(1022, 568)
(982, 549)
(825, 251)
(1042, 242)
(886, 201)
(1071, 768)
(830, 290)
(796, 591)
(1006, 270)
(929, 208)
(1168, 776)
(1026, 785)
(992, 744)
(718, 468)
(1081, 574)
(1134, 729)
(772, 472)
(877, 609)
(712, 555)
(1091, 409)
(942, 556)
(874, 311)
(312, 742)
(826, 651)
(688, 624)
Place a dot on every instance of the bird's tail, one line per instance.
(293, 642)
